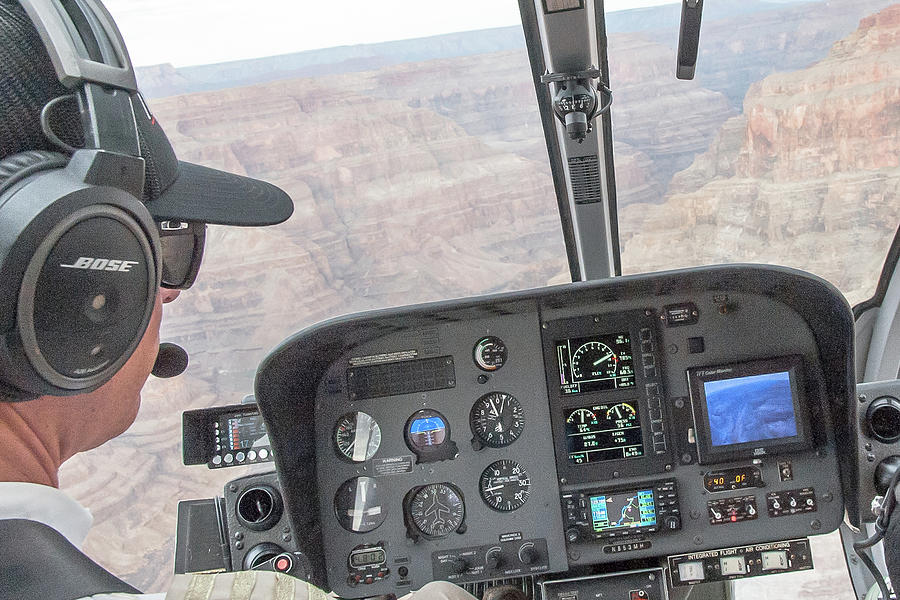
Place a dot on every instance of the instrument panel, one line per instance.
(537, 432)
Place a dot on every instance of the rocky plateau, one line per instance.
(426, 180)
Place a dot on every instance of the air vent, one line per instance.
(259, 507)
(883, 417)
(587, 186)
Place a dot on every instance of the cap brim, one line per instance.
(207, 195)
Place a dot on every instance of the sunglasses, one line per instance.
(182, 252)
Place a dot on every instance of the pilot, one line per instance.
(38, 435)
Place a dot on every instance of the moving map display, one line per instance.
(603, 431)
(596, 363)
(623, 510)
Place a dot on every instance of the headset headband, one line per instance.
(88, 54)
(64, 38)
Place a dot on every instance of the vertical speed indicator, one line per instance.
(504, 485)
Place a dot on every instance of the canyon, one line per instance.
(424, 180)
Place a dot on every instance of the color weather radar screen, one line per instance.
(602, 362)
(750, 409)
(624, 510)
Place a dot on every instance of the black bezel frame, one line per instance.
(709, 454)
(631, 321)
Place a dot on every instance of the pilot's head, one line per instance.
(42, 125)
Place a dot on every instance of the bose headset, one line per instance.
(79, 252)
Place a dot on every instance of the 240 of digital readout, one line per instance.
(597, 363)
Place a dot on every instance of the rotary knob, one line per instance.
(672, 522)
(493, 559)
(459, 565)
(528, 554)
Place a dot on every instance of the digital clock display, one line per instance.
(733, 479)
(366, 558)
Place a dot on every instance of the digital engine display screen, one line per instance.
(603, 431)
(243, 432)
(623, 510)
(752, 408)
(596, 363)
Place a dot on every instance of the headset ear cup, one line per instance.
(80, 267)
(16, 167)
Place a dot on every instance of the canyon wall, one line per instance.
(429, 180)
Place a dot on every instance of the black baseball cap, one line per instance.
(173, 189)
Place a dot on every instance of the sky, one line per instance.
(194, 32)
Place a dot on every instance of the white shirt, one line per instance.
(58, 510)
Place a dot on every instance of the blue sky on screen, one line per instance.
(750, 409)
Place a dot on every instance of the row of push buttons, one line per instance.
(369, 578)
(241, 457)
(654, 390)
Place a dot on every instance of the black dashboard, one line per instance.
(546, 431)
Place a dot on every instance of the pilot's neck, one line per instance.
(28, 450)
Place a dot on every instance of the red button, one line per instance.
(282, 564)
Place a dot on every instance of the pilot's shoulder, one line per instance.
(241, 585)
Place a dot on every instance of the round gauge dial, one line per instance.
(497, 419)
(426, 430)
(437, 509)
(504, 485)
(357, 436)
(490, 353)
(594, 360)
(622, 414)
(582, 416)
(357, 506)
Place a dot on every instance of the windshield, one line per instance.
(419, 171)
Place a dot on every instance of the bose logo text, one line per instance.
(101, 264)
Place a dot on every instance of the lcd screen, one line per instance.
(750, 408)
(243, 432)
(601, 432)
(623, 510)
(597, 363)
